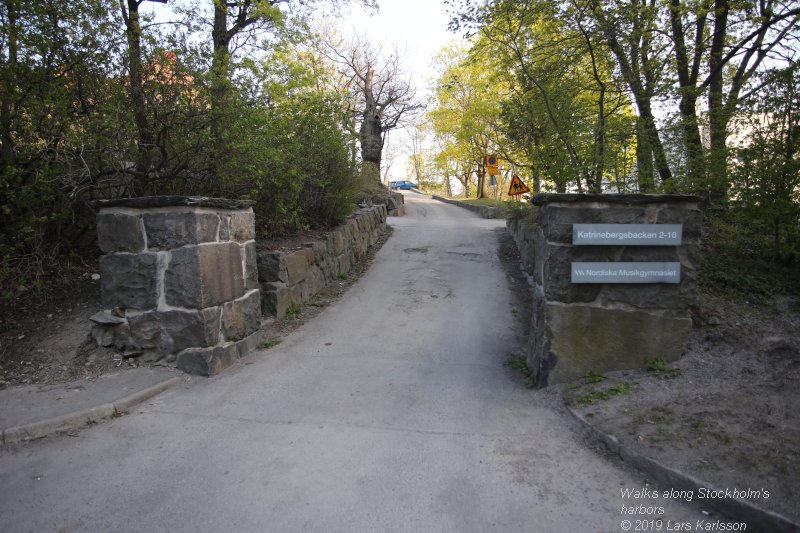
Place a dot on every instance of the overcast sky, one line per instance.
(419, 29)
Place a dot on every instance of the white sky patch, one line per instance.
(418, 29)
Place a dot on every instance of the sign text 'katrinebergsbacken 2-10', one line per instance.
(627, 234)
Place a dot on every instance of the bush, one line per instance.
(292, 159)
(739, 260)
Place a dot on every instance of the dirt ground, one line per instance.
(44, 337)
(728, 412)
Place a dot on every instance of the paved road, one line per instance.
(391, 411)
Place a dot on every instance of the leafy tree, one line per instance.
(562, 106)
(58, 116)
(766, 175)
(466, 115)
(288, 149)
(688, 49)
(631, 32)
(97, 102)
(417, 159)
(729, 44)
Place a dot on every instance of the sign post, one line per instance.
(517, 187)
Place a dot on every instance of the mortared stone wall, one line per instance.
(179, 278)
(600, 327)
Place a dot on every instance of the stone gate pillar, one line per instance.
(614, 279)
(179, 277)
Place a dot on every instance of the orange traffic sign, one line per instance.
(517, 187)
(492, 165)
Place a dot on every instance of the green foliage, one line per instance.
(520, 364)
(527, 213)
(57, 118)
(266, 344)
(293, 160)
(739, 259)
(594, 377)
(552, 101)
(68, 134)
(765, 176)
(465, 117)
(659, 366)
(754, 239)
(620, 389)
(293, 311)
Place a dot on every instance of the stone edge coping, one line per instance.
(549, 198)
(77, 419)
(482, 210)
(733, 509)
(145, 202)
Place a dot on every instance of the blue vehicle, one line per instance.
(402, 185)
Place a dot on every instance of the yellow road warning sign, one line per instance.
(517, 187)
(492, 165)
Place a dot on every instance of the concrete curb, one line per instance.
(484, 211)
(733, 509)
(79, 419)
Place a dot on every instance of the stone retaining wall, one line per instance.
(600, 327)
(396, 204)
(296, 276)
(179, 278)
(484, 211)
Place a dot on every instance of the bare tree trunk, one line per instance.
(596, 183)
(448, 186)
(371, 134)
(687, 81)
(146, 142)
(8, 88)
(483, 183)
(652, 150)
(644, 158)
(595, 180)
(717, 116)
(220, 89)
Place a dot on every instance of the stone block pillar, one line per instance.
(179, 279)
(581, 326)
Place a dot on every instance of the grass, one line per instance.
(521, 365)
(593, 377)
(482, 201)
(662, 418)
(658, 415)
(293, 311)
(266, 344)
(620, 389)
(317, 302)
(701, 429)
(526, 213)
(659, 367)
